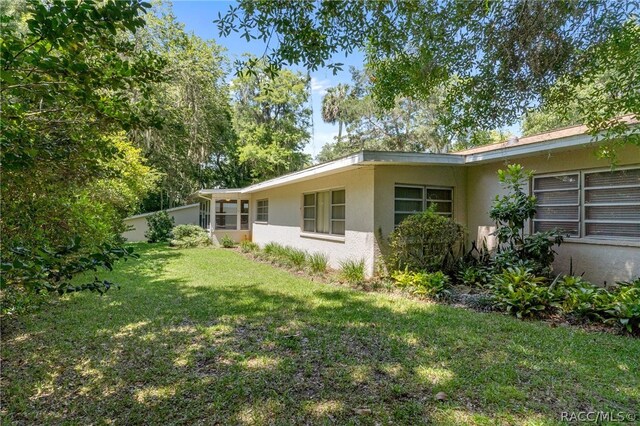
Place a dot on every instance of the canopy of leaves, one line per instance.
(271, 118)
(497, 58)
(195, 146)
(71, 80)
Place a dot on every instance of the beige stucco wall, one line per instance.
(600, 260)
(189, 215)
(387, 176)
(285, 215)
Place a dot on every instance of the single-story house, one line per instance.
(346, 208)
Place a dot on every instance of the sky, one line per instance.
(198, 16)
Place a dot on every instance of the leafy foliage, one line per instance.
(247, 246)
(160, 227)
(271, 117)
(318, 262)
(518, 291)
(185, 236)
(227, 242)
(352, 271)
(497, 59)
(433, 285)
(425, 242)
(510, 212)
(52, 270)
(69, 71)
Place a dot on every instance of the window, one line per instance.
(262, 211)
(324, 212)
(244, 214)
(603, 204)
(226, 214)
(412, 199)
(205, 214)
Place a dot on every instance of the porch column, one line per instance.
(212, 215)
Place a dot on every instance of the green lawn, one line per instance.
(206, 336)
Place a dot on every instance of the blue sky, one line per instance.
(198, 16)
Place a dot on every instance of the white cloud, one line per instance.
(320, 86)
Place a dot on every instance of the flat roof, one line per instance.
(565, 138)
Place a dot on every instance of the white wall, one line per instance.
(601, 261)
(285, 216)
(185, 215)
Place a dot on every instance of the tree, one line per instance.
(411, 125)
(334, 106)
(498, 58)
(71, 80)
(195, 147)
(271, 120)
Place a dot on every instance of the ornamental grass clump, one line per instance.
(352, 271)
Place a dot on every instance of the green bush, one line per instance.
(185, 236)
(247, 246)
(510, 213)
(318, 262)
(425, 242)
(474, 275)
(352, 271)
(52, 271)
(430, 284)
(227, 242)
(295, 257)
(622, 306)
(520, 292)
(274, 250)
(160, 227)
(579, 297)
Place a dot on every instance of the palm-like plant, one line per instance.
(334, 106)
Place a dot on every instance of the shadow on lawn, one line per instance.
(177, 353)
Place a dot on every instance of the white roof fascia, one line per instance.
(173, 209)
(311, 172)
(516, 150)
(421, 158)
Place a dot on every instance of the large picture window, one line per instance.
(324, 212)
(598, 204)
(412, 199)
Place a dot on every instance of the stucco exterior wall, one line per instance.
(387, 176)
(186, 215)
(600, 260)
(285, 217)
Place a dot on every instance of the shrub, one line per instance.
(352, 271)
(247, 246)
(577, 296)
(433, 285)
(622, 306)
(274, 250)
(185, 236)
(520, 292)
(510, 212)
(295, 257)
(160, 226)
(318, 262)
(474, 275)
(425, 242)
(52, 270)
(227, 242)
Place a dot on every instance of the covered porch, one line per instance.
(225, 212)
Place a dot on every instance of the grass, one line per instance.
(206, 336)
(318, 262)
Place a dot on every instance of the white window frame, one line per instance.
(425, 190)
(583, 205)
(265, 208)
(315, 212)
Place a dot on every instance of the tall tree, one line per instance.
(271, 120)
(334, 106)
(499, 58)
(69, 74)
(195, 146)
